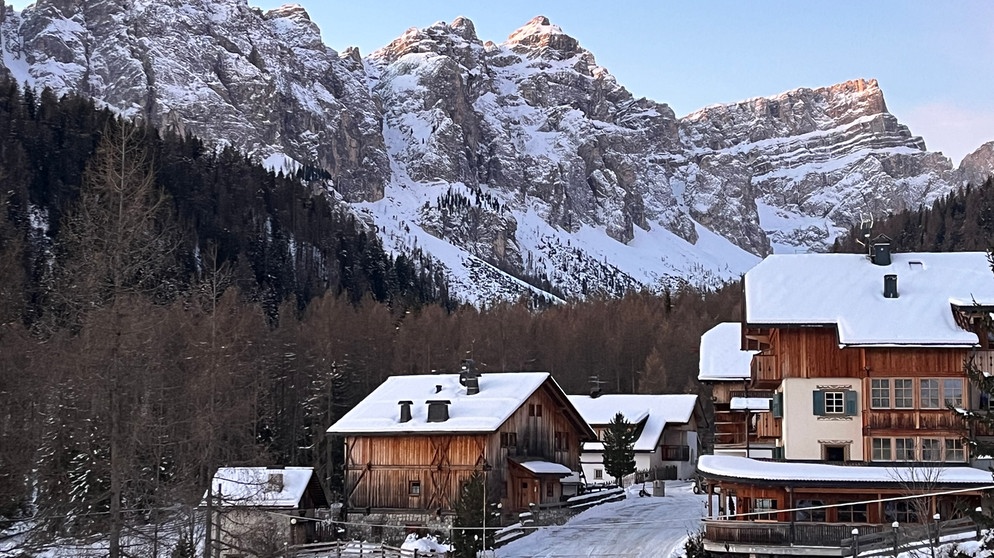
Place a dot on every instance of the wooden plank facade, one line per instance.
(390, 473)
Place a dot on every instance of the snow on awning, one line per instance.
(546, 468)
(758, 404)
(734, 467)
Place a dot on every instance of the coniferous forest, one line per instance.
(167, 308)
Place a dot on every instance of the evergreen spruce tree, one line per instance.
(619, 448)
(468, 532)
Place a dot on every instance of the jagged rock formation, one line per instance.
(979, 165)
(511, 162)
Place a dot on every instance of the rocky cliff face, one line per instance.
(263, 82)
(517, 161)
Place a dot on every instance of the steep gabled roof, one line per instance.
(846, 291)
(500, 395)
(722, 357)
(655, 410)
(263, 487)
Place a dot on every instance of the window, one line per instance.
(550, 490)
(931, 451)
(855, 513)
(904, 449)
(765, 505)
(881, 449)
(560, 441)
(929, 394)
(810, 514)
(900, 511)
(835, 403)
(508, 439)
(954, 450)
(880, 394)
(904, 393)
(598, 474)
(534, 409)
(414, 488)
(952, 392)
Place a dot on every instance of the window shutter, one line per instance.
(776, 406)
(778, 452)
(819, 403)
(850, 403)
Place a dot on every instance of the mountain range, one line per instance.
(520, 167)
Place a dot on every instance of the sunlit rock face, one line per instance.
(523, 160)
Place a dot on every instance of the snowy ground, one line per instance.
(636, 527)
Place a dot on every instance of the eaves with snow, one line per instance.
(847, 291)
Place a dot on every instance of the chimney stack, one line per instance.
(890, 286)
(438, 410)
(405, 410)
(880, 252)
(438, 388)
(472, 385)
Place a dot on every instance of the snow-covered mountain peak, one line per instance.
(510, 164)
(539, 37)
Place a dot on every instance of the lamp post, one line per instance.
(980, 513)
(855, 542)
(895, 526)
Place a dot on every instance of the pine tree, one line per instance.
(467, 534)
(619, 448)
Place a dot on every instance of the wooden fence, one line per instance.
(359, 550)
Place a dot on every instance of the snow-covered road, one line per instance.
(636, 527)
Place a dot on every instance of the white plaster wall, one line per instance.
(803, 431)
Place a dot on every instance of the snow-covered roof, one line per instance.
(749, 403)
(745, 468)
(546, 468)
(656, 410)
(260, 487)
(721, 355)
(500, 395)
(847, 290)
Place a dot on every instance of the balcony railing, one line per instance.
(838, 535)
(773, 533)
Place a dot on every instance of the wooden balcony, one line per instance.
(914, 419)
(873, 540)
(771, 533)
(764, 371)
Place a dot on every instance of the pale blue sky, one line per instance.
(933, 59)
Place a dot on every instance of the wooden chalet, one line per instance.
(255, 509)
(666, 426)
(412, 443)
(864, 360)
(742, 422)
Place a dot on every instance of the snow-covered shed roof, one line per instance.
(750, 404)
(656, 410)
(499, 396)
(260, 486)
(721, 355)
(546, 468)
(846, 290)
(735, 467)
